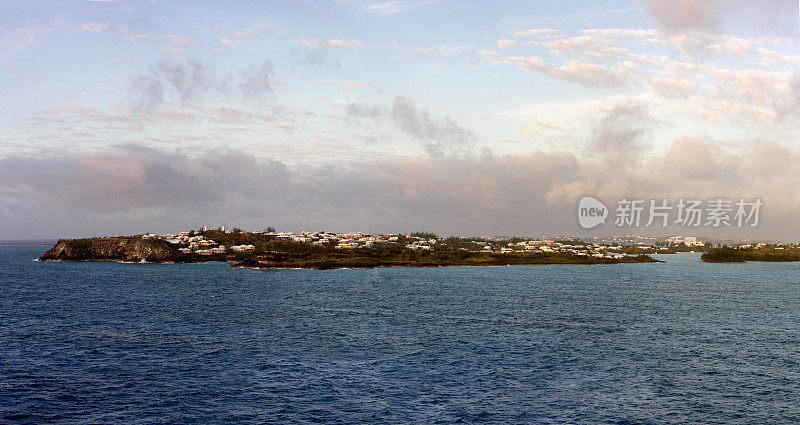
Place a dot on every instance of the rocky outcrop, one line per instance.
(119, 249)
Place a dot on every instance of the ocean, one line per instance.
(681, 342)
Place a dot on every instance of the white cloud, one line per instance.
(531, 192)
(94, 26)
(394, 7)
(506, 44)
(440, 135)
(714, 15)
(488, 53)
(585, 45)
(542, 32)
(343, 44)
(352, 84)
(229, 42)
(586, 74)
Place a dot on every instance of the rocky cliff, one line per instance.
(119, 249)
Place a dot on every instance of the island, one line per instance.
(323, 250)
(745, 253)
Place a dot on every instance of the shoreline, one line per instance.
(290, 255)
(236, 265)
(440, 266)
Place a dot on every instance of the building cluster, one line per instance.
(567, 247)
(756, 246)
(611, 247)
(358, 240)
(686, 240)
(197, 244)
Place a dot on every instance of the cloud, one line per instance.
(353, 84)
(127, 34)
(703, 45)
(771, 159)
(153, 186)
(443, 134)
(326, 53)
(586, 74)
(227, 42)
(363, 110)
(591, 46)
(676, 72)
(343, 44)
(394, 7)
(255, 83)
(532, 192)
(435, 52)
(699, 160)
(14, 41)
(681, 15)
(542, 32)
(187, 81)
(506, 44)
(129, 177)
(94, 26)
(617, 138)
(788, 107)
(440, 135)
(488, 53)
(712, 15)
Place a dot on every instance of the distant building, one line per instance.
(241, 248)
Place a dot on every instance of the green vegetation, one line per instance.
(723, 255)
(739, 255)
(114, 249)
(271, 251)
(671, 249)
(395, 256)
(262, 242)
(424, 235)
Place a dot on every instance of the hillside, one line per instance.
(115, 249)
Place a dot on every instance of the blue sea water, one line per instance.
(683, 342)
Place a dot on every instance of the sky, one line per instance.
(456, 117)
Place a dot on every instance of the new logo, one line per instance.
(591, 212)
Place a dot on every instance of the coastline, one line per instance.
(438, 266)
(134, 250)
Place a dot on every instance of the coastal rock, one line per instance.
(119, 249)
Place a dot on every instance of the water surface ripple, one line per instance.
(683, 342)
